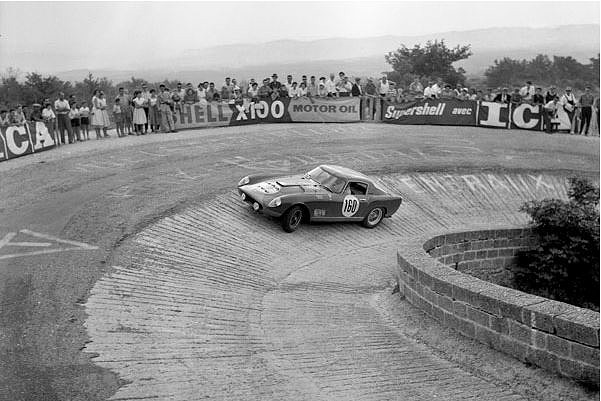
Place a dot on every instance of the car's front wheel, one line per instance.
(374, 217)
(292, 219)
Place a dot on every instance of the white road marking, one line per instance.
(75, 245)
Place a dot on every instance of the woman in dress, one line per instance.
(139, 115)
(100, 116)
(154, 118)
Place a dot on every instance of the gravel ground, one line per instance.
(105, 192)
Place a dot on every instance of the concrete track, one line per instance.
(190, 295)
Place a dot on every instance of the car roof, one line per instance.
(345, 172)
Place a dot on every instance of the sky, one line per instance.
(49, 36)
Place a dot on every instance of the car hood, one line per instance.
(286, 186)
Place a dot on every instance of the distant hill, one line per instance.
(363, 57)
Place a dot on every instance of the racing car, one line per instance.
(327, 193)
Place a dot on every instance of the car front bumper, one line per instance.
(259, 202)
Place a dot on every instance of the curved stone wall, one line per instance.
(553, 335)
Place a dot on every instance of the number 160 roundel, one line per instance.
(326, 194)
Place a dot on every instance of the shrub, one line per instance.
(565, 264)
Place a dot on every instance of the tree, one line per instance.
(565, 263)
(560, 71)
(434, 60)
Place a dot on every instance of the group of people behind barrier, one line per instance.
(150, 110)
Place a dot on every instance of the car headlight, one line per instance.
(244, 181)
(275, 202)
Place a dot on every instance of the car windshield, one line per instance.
(330, 181)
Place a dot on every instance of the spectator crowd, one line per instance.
(152, 110)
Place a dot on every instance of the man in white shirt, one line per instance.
(428, 91)
(436, 89)
(384, 87)
(550, 115)
(527, 91)
(568, 101)
(331, 86)
(288, 83)
(61, 105)
(201, 93)
(322, 89)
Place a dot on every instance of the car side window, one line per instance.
(357, 188)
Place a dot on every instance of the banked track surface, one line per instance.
(217, 302)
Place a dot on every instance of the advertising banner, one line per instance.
(502, 115)
(20, 140)
(325, 111)
(305, 110)
(200, 115)
(431, 112)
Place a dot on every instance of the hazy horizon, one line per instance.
(122, 35)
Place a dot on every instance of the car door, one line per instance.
(354, 200)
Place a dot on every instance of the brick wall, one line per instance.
(553, 335)
(487, 254)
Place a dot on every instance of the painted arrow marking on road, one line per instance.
(5, 242)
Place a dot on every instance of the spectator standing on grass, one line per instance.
(84, 119)
(474, 94)
(463, 95)
(312, 87)
(429, 92)
(527, 91)
(275, 84)
(61, 105)
(265, 90)
(165, 102)
(416, 88)
(586, 110)
(154, 115)
(489, 96)
(356, 88)
(201, 93)
(302, 89)
(118, 118)
(344, 87)
(75, 120)
(100, 116)
(503, 97)
(20, 115)
(384, 87)
(447, 92)
(550, 115)
(211, 92)
(568, 102)
(5, 118)
(49, 119)
(331, 86)
(550, 95)
(253, 92)
(538, 99)
(146, 96)
(139, 114)
(293, 91)
(289, 83)
(190, 96)
(322, 90)
(516, 97)
(437, 88)
(458, 89)
(126, 110)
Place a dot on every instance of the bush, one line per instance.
(565, 264)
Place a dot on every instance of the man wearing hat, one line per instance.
(275, 84)
(165, 103)
(568, 101)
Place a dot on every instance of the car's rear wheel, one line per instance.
(374, 217)
(292, 219)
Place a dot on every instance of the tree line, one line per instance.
(435, 60)
(37, 88)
